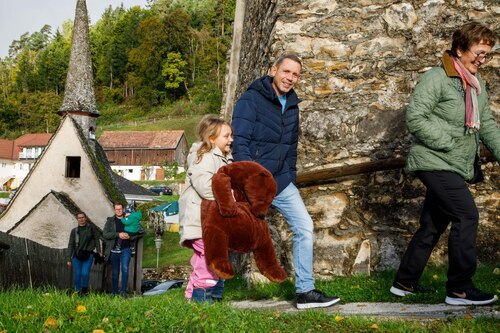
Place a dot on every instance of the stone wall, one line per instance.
(361, 61)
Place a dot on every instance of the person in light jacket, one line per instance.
(205, 157)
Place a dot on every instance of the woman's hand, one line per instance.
(68, 263)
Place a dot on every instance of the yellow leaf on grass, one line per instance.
(435, 276)
(81, 308)
(105, 320)
(98, 331)
(51, 323)
(338, 318)
(468, 316)
(375, 326)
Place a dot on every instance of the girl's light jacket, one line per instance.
(198, 187)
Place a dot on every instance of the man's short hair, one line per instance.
(287, 55)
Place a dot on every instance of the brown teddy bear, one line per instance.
(235, 221)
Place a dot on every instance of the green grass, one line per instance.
(57, 311)
(4, 194)
(188, 124)
(171, 253)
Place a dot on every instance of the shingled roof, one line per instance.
(79, 91)
(141, 139)
(6, 148)
(129, 187)
(10, 149)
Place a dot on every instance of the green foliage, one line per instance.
(170, 169)
(173, 70)
(162, 61)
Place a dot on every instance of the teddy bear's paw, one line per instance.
(275, 274)
(223, 268)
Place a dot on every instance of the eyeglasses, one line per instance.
(482, 57)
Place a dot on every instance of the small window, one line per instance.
(73, 166)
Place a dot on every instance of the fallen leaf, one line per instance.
(277, 314)
(375, 326)
(468, 316)
(98, 331)
(338, 318)
(435, 277)
(51, 323)
(496, 271)
(149, 314)
(105, 320)
(81, 308)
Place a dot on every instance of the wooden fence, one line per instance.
(27, 264)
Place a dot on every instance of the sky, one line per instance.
(20, 16)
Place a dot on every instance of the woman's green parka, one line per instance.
(436, 117)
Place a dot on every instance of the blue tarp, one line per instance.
(171, 208)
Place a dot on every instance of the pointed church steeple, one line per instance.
(79, 96)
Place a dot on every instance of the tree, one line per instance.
(173, 70)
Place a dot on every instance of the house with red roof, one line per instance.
(18, 156)
(137, 155)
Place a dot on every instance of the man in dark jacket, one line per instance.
(266, 130)
(117, 249)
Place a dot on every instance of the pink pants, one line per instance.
(201, 276)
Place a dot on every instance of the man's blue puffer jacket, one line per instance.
(262, 133)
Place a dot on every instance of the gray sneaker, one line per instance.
(315, 299)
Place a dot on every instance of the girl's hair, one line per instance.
(209, 128)
(471, 34)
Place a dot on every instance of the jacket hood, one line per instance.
(264, 86)
(192, 156)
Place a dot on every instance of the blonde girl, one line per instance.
(212, 151)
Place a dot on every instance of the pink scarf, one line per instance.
(472, 89)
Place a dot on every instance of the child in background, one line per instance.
(132, 222)
(205, 157)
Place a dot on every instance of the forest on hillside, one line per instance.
(166, 59)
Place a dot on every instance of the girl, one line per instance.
(205, 157)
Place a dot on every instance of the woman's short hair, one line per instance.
(470, 34)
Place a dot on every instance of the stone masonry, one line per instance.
(361, 61)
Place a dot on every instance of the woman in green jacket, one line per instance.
(448, 116)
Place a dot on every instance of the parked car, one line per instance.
(161, 190)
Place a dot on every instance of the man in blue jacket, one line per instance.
(266, 130)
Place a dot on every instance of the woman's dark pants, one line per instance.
(448, 199)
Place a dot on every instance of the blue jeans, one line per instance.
(290, 204)
(120, 260)
(81, 271)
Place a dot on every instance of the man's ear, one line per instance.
(274, 69)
